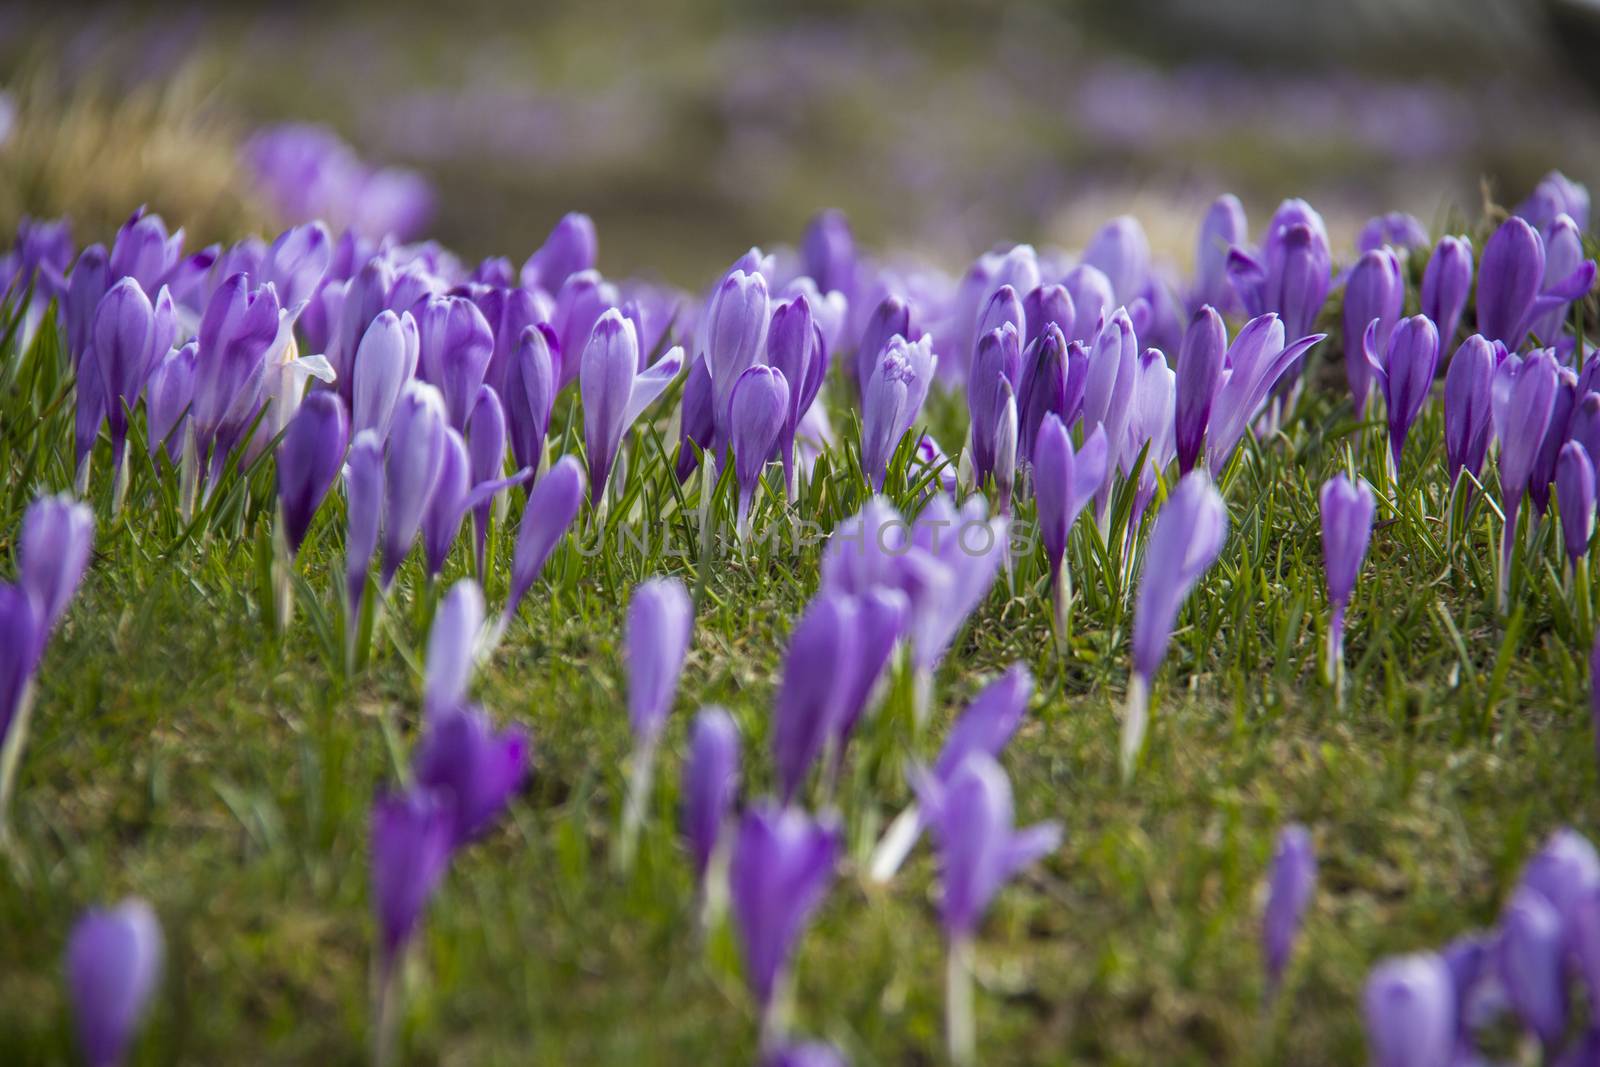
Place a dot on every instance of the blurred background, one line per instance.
(691, 130)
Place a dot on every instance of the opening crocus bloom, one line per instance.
(114, 960)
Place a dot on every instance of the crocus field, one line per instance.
(1067, 660)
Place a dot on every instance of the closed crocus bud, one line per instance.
(1566, 872)
(461, 757)
(363, 484)
(486, 450)
(452, 647)
(124, 329)
(52, 553)
(710, 784)
(1004, 308)
(455, 343)
(1188, 535)
(610, 361)
(795, 350)
(1290, 884)
(1375, 292)
(1257, 361)
(571, 247)
(1410, 1009)
(1509, 277)
(309, 458)
(1005, 446)
(21, 639)
(1347, 511)
(988, 723)
(696, 418)
(783, 862)
(882, 618)
(1092, 300)
(971, 816)
(1200, 365)
(1041, 386)
(385, 360)
(828, 252)
(1529, 958)
(1543, 474)
(1404, 373)
(660, 622)
(1120, 250)
(892, 401)
(1299, 286)
(412, 836)
(1109, 388)
(168, 394)
(1446, 283)
(813, 687)
(996, 364)
(1046, 306)
(757, 409)
(1556, 194)
(891, 318)
(582, 300)
(509, 312)
(114, 960)
(1223, 227)
(1468, 386)
(298, 261)
(736, 334)
(1523, 397)
(364, 298)
(551, 507)
(236, 332)
(530, 394)
(411, 470)
(1397, 230)
(1064, 482)
(88, 282)
(1563, 256)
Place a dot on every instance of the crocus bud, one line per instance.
(461, 757)
(1005, 445)
(970, 546)
(892, 401)
(882, 618)
(1347, 511)
(1257, 360)
(891, 318)
(88, 282)
(1041, 386)
(1529, 959)
(114, 960)
(454, 346)
(1120, 250)
(1223, 227)
(1446, 282)
(571, 247)
(1556, 194)
(530, 393)
(828, 252)
(1108, 390)
(1200, 365)
(736, 334)
(363, 486)
(411, 469)
(1064, 482)
(1468, 385)
(551, 507)
(1543, 474)
(1405, 374)
(52, 553)
(660, 621)
(1410, 1011)
(757, 408)
(583, 298)
(1563, 256)
(782, 865)
(1046, 306)
(21, 640)
(971, 817)
(1092, 300)
(1509, 277)
(486, 451)
(1289, 888)
(1523, 398)
(1004, 308)
(1575, 490)
(605, 379)
(452, 645)
(384, 362)
(236, 332)
(710, 784)
(412, 837)
(124, 332)
(696, 419)
(167, 397)
(813, 687)
(364, 298)
(1396, 229)
(795, 349)
(1375, 292)
(997, 361)
(309, 458)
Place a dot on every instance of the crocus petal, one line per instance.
(660, 620)
(551, 507)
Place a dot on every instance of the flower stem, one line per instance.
(960, 1026)
(639, 780)
(895, 845)
(1135, 720)
(11, 755)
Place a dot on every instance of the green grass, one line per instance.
(183, 751)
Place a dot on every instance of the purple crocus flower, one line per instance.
(1109, 386)
(1563, 255)
(309, 458)
(236, 332)
(129, 335)
(411, 469)
(52, 554)
(881, 620)
(1374, 294)
(167, 396)
(890, 319)
(1064, 482)
(710, 784)
(795, 348)
(1529, 957)
(88, 282)
(660, 621)
(806, 1054)
(615, 393)
(1289, 889)
(571, 247)
(385, 361)
(1046, 306)
(1556, 194)
(363, 483)
(582, 300)
(1468, 386)
(757, 410)
(1005, 446)
(509, 312)
(365, 297)
(114, 962)
(1293, 272)
(1556, 434)
(1223, 227)
(783, 862)
(1404, 373)
(452, 647)
(736, 335)
(486, 452)
(454, 346)
(21, 640)
(1410, 1008)
(413, 834)
(1120, 251)
(551, 507)
(144, 250)
(1446, 283)
(892, 400)
(996, 361)
(1188, 535)
(1347, 511)
(813, 687)
(828, 252)
(696, 418)
(463, 759)
(1576, 491)
(1523, 398)
(1257, 360)
(1200, 367)
(1511, 276)
(530, 394)
(1398, 230)
(1042, 385)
